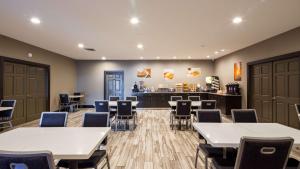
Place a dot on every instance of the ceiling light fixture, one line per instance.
(189, 57)
(103, 58)
(237, 20)
(141, 57)
(134, 20)
(81, 45)
(208, 56)
(140, 46)
(222, 50)
(157, 57)
(174, 57)
(216, 52)
(35, 20)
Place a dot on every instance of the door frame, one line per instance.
(113, 71)
(271, 59)
(29, 63)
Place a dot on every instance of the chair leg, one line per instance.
(116, 123)
(196, 159)
(10, 124)
(206, 162)
(107, 162)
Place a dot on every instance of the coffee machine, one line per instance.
(233, 88)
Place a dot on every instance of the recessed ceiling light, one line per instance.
(140, 46)
(80, 45)
(157, 57)
(237, 20)
(216, 52)
(208, 56)
(222, 50)
(35, 20)
(141, 57)
(189, 57)
(134, 20)
(174, 57)
(103, 58)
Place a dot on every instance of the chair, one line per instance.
(244, 116)
(183, 112)
(114, 98)
(124, 112)
(208, 104)
(258, 153)
(54, 119)
(64, 102)
(26, 160)
(76, 99)
(297, 106)
(7, 115)
(102, 106)
(194, 108)
(94, 119)
(132, 98)
(176, 98)
(210, 116)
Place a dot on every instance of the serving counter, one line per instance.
(225, 102)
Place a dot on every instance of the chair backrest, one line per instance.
(176, 98)
(244, 116)
(183, 108)
(64, 98)
(132, 98)
(114, 98)
(209, 116)
(26, 160)
(194, 98)
(208, 104)
(77, 94)
(297, 106)
(8, 114)
(124, 108)
(264, 153)
(54, 119)
(95, 119)
(102, 106)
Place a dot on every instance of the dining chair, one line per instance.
(103, 106)
(124, 113)
(176, 98)
(92, 119)
(210, 116)
(208, 104)
(133, 98)
(183, 112)
(6, 116)
(26, 160)
(258, 153)
(297, 107)
(114, 98)
(77, 99)
(66, 103)
(54, 119)
(244, 115)
(194, 99)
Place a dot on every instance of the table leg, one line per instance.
(224, 152)
(73, 164)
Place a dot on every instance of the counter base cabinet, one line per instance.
(160, 100)
(226, 102)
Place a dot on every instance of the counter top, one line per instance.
(219, 94)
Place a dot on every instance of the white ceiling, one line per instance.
(167, 28)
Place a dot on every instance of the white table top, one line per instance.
(115, 103)
(75, 96)
(5, 108)
(63, 142)
(229, 134)
(194, 103)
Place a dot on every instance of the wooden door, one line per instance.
(286, 84)
(14, 87)
(261, 91)
(114, 84)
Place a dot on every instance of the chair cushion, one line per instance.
(292, 164)
(89, 163)
(221, 163)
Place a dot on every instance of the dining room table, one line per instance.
(68, 143)
(227, 135)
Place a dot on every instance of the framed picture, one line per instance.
(144, 73)
(194, 72)
(237, 71)
(169, 74)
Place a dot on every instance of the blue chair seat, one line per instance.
(93, 161)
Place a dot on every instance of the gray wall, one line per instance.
(281, 44)
(62, 69)
(90, 74)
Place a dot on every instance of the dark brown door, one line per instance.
(286, 82)
(114, 84)
(261, 91)
(14, 87)
(29, 86)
